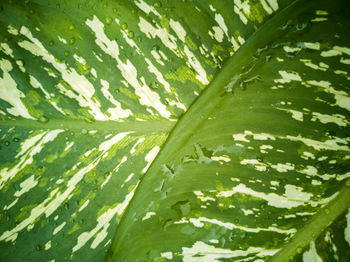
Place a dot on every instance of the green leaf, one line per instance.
(174, 130)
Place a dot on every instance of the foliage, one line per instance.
(190, 130)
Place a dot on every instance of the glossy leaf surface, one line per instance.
(189, 130)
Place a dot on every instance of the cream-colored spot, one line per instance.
(287, 77)
(148, 215)
(151, 155)
(10, 93)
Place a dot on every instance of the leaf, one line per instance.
(106, 129)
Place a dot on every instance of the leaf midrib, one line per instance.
(211, 97)
(142, 127)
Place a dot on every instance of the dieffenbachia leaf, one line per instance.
(192, 130)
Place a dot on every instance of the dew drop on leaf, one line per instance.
(106, 174)
(20, 62)
(66, 53)
(347, 183)
(15, 139)
(51, 43)
(108, 20)
(43, 119)
(156, 48)
(167, 223)
(84, 131)
(88, 120)
(15, 186)
(38, 247)
(131, 34)
(183, 208)
(263, 205)
(7, 143)
(157, 4)
(123, 26)
(72, 41)
(268, 58)
(71, 27)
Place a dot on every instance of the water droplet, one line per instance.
(299, 250)
(261, 50)
(66, 53)
(152, 86)
(287, 25)
(243, 235)
(15, 186)
(51, 43)
(263, 205)
(38, 247)
(15, 139)
(109, 20)
(160, 186)
(131, 34)
(43, 119)
(115, 10)
(85, 67)
(157, 4)
(167, 223)
(106, 174)
(139, 39)
(183, 208)
(156, 48)
(7, 143)
(89, 119)
(84, 131)
(260, 159)
(326, 211)
(347, 183)
(123, 26)
(71, 27)
(72, 41)
(20, 62)
(301, 26)
(236, 220)
(268, 58)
